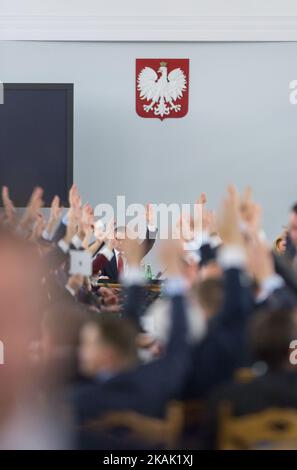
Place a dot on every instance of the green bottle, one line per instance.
(148, 272)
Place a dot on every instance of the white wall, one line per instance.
(240, 126)
(154, 20)
(150, 8)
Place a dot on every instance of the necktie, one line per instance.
(120, 263)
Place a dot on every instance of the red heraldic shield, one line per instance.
(162, 88)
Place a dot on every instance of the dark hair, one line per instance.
(294, 208)
(210, 294)
(270, 335)
(120, 333)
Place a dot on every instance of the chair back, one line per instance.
(273, 428)
(164, 433)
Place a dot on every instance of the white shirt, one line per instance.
(125, 264)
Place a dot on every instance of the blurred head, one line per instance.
(60, 329)
(270, 335)
(292, 228)
(107, 345)
(59, 342)
(280, 245)
(190, 270)
(211, 270)
(210, 294)
(120, 235)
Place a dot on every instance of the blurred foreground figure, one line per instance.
(25, 422)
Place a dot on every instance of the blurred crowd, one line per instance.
(97, 355)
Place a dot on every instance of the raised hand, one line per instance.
(56, 210)
(199, 212)
(38, 228)
(71, 229)
(171, 256)
(106, 235)
(133, 250)
(103, 236)
(229, 219)
(259, 260)
(184, 227)
(75, 202)
(209, 221)
(202, 199)
(8, 206)
(150, 215)
(32, 210)
(250, 213)
(55, 215)
(110, 238)
(86, 228)
(86, 222)
(74, 197)
(74, 214)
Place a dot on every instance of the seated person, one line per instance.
(108, 354)
(110, 261)
(270, 336)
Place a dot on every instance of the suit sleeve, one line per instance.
(149, 241)
(207, 254)
(169, 373)
(224, 348)
(60, 232)
(134, 304)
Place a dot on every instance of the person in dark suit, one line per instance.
(270, 340)
(110, 261)
(223, 349)
(291, 242)
(108, 353)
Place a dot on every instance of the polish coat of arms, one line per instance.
(162, 88)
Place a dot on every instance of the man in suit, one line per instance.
(291, 240)
(270, 337)
(108, 353)
(222, 349)
(110, 261)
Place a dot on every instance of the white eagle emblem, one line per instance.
(161, 91)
